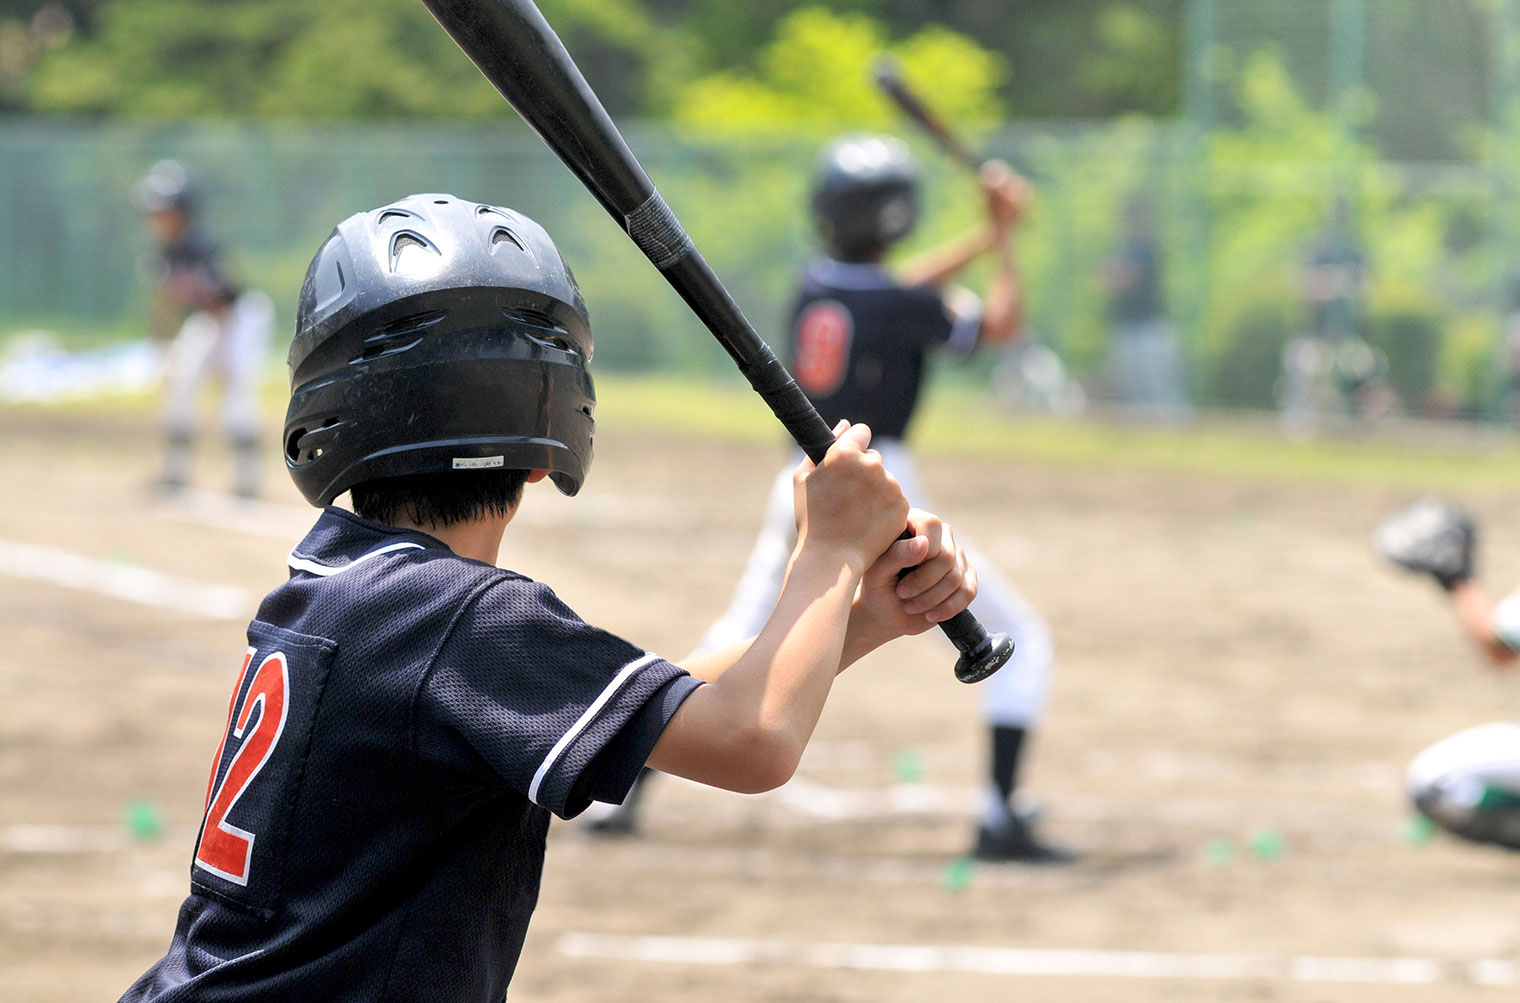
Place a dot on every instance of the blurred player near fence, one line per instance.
(214, 330)
(1330, 369)
(859, 343)
(1468, 783)
(1145, 357)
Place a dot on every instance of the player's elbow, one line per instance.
(999, 326)
(761, 759)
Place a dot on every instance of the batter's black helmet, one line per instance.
(434, 335)
(865, 195)
(166, 186)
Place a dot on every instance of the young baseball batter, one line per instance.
(1467, 783)
(407, 716)
(223, 330)
(860, 340)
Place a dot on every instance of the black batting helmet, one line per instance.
(166, 186)
(432, 335)
(865, 195)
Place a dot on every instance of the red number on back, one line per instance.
(824, 332)
(225, 849)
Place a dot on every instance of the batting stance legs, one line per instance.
(231, 344)
(1013, 699)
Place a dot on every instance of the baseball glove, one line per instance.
(1431, 537)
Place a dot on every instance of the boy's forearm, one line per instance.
(784, 676)
(1002, 306)
(940, 264)
(746, 730)
(1475, 611)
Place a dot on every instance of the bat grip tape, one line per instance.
(789, 404)
(657, 232)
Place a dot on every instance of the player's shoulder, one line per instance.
(860, 285)
(507, 605)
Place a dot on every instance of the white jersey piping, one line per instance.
(613, 688)
(304, 564)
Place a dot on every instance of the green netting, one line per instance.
(1415, 129)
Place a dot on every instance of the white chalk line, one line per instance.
(34, 562)
(62, 839)
(229, 513)
(1023, 962)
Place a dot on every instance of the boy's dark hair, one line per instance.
(441, 499)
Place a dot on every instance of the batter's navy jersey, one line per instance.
(403, 723)
(859, 342)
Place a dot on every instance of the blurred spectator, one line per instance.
(1329, 369)
(1335, 277)
(214, 328)
(1145, 359)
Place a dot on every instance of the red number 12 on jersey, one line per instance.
(225, 849)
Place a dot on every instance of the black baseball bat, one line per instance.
(890, 82)
(510, 42)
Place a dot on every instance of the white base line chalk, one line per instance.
(119, 581)
(1008, 961)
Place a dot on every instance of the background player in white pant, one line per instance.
(1468, 783)
(859, 344)
(223, 332)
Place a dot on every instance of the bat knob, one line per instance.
(986, 658)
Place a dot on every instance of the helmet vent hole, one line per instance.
(533, 318)
(411, 322)
(308, 442)
(406, 244)
(501, 235)
(395, 214)
(398, 336)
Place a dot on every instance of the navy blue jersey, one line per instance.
(1139, 298)
(403, 723)
(192, 272)
(859, 341)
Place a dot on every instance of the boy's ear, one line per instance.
(534, 476)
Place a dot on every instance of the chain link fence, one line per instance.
(1381, 130)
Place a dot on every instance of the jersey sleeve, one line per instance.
(928, 315)
(525, 692)
(965, 310)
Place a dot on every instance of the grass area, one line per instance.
(961, 421)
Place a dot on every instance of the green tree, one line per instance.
(362, 58)
(814, 77)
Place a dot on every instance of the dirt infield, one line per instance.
(1239, 685)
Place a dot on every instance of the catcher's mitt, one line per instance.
(1432, 537)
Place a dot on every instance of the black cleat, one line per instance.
(1015, 843)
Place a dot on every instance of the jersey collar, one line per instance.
(849, 274)
(341, 540)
